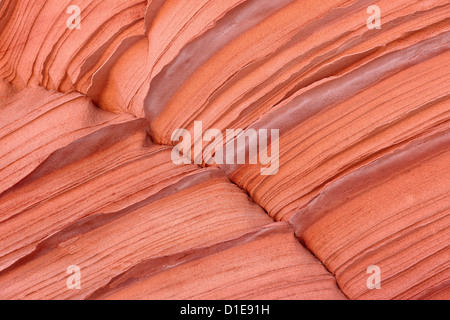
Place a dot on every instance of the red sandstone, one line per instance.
(85, 149)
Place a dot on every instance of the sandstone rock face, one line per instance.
(94, 206)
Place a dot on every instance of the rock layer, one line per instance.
(86, 170)
(282, 267)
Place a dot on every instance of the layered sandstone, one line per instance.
(86, 170)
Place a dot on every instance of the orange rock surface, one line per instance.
(88, 179)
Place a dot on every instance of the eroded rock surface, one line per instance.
(87, 177)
